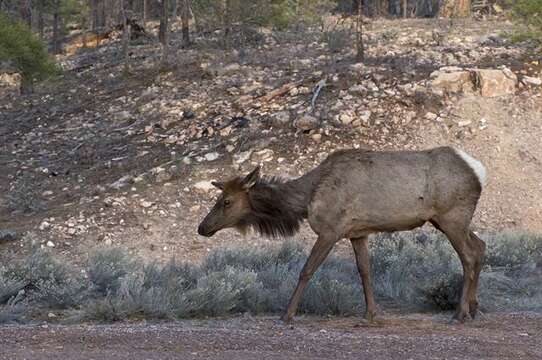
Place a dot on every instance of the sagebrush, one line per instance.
(411, 269)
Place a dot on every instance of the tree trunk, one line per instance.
(227, 21)
(145, 15)
(41, 24)
(175, 10)
(27, 86)
(103, 16)
(125, 35)
(94, 16)
(56, 28)
(360, 55)
(185, 19)
(163, 33)
(455, 8)
(26, 15)
(163, 22)
(405, 7)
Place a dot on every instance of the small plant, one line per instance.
(337, 39)
(106, 269)
(25, 52)
(24, 197)
(445, 293)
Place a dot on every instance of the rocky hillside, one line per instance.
(101, 156)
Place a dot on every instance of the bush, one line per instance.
(27, 54)
(513, 250)
(106, 269)
(412, 270)
(41, 280)
(529, 12)
(10, 314)
(24, 196)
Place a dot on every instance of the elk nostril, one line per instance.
(201, 229)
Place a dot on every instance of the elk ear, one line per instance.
(218, 184)
(251, 179)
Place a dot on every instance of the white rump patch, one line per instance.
(474, 164)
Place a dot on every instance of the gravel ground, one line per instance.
(418, 336)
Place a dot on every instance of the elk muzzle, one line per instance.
(204, 230)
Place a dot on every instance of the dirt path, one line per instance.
(504, 336)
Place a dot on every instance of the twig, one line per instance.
(319, 86)
(280, 91)
(77, 147)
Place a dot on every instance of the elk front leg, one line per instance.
(319, 252)
(361, 250)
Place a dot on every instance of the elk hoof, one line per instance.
(285, 319)
(477, 314)
(458, 318)
(370, 316)
(283, 324)
(473, 309)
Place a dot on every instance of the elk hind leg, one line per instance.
(480, 247)
(455, 226)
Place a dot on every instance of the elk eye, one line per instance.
(227, 202)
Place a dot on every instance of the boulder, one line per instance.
(452, 82)
(493, 82)
(533, 81)
(489, 82)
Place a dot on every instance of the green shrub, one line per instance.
(529, 12)
(25, 52)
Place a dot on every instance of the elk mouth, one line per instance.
(204, 232)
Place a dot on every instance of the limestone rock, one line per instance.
(528, 80)
(493, 82)
(456, 81)
(204, 186)
(282, 118)
(306, 122)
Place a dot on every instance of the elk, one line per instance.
(354, 193)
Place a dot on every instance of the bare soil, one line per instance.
(71, 145)
(65, 146)
(418, 336)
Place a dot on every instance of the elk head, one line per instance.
(232, 207)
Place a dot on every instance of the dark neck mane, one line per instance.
(278, 206)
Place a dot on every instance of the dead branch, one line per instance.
(319, 86)
(280, 91)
